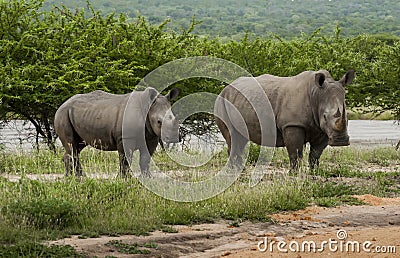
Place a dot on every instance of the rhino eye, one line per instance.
(159, 122)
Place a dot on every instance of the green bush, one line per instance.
(50, 213)
(48, 56)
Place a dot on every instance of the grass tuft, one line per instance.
(30, 249)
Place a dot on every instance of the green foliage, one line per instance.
(30, 249)
(60, 53)
(331, 189)
(254, 152)
(233, 18)
(41, 213)
(337, 200)
(49, 54)
(96, 207)
(47, 209)
(131, 248)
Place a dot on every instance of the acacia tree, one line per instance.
(46, 57)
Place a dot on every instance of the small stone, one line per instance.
(278, 239)
(259, 234)
(311, 233)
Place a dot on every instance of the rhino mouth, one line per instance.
(339, 141)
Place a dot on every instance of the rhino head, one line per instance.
(332, 107)
(162, 121)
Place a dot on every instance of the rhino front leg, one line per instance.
(294, 141)
(145, 157)
(316, 152)
(144, 163)
(123, 165)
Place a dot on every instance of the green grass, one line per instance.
(46, 162)
(132, 248)
(32, 249)
(41, 210)
(338, 200)
(50, 210)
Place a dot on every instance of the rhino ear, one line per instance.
(173, 94)
(319, 79)
(348, 77)
(153, 93)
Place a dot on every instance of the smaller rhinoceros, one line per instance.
(309, 107)
(109, 121)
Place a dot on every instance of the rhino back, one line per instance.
(288, 96)
(97, 117)
(290, 99)
(248, 97)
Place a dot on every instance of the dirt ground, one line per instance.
(373, 228)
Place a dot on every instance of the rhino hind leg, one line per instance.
(235, 141)
(71, 159)
(73, 145)
(294, 140)
(237, 145)
(225, 132)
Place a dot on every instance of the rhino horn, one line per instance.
(337, 114)
(344, 115)
(341, 122)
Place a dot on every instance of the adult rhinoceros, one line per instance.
(97, 119)
(309, 107)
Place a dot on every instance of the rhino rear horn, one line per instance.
(348, 77)
(320, 79)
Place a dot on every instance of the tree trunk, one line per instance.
(49, 138)
(47, 134)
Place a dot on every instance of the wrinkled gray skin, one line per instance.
(309, 107)
(96, 119)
